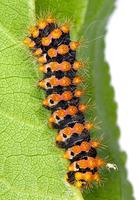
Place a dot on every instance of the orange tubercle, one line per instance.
(65, 28)
(42, 84)
(82, 107)
(34, 31)
(99, 162)
(53, 81)
(67, 131)
(71, 167)
(56, 97)
(62, 49)
(51, 119)
(45, 102)
(46, 41)
(78, 128)
(77, 80)
(42, 68)
(96, 177)
(85, 146)
(30, 43)
(65, 81)
(50, 20)
(83, 163)
(42, 24)
(61, 113)
(58, 138)
(88, 125)
(67, 95)
(74, 45)
(56, 33)
(78, 184)
(27, 41)
(72, 110)
(79, 176)
(37, 52)
(65, 66)
(76, 149)
(54, 66)
(66, 155)
(88, 176)
(52, 52)
(42, 59)
(77, 65)
(95, 144)
(78, 93)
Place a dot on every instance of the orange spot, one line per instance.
(95, 144)
(67, 95)
(65, 81)
(65, 28)
(88, 125)
(71, 167)
(79, 184)
(65, 66)
(53, 81)
(66, 155)
(56, 33)
(34, 32)
(83, 164)
(67, 131)
(91, 163)
(58, 138)
(42, 68)
(54, 66)
(72, 110)
(45, 102)
(78, 93)
(99, 162)
(42, 24)
(78, 128)
(76, 149)
(96, 177)
(37, 52)
(74, 45)
(88, 176)
(78, 176)
(51, 119)
(52, 52)
(42, 84)
(85, 146)
(77, 65)
(42, 59)
(77, 80)
(31, 44)
(82, 107)
(56, 97)
(51, 20)
(46, 41)
(60, 113)
(27, 41)
(63, 49)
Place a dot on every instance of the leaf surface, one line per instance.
(31, 166)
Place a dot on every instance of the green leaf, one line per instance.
(31, 166)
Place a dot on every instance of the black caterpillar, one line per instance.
(56, 54)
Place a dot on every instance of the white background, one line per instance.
(122, 53)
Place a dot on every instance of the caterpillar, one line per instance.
(56, 55)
